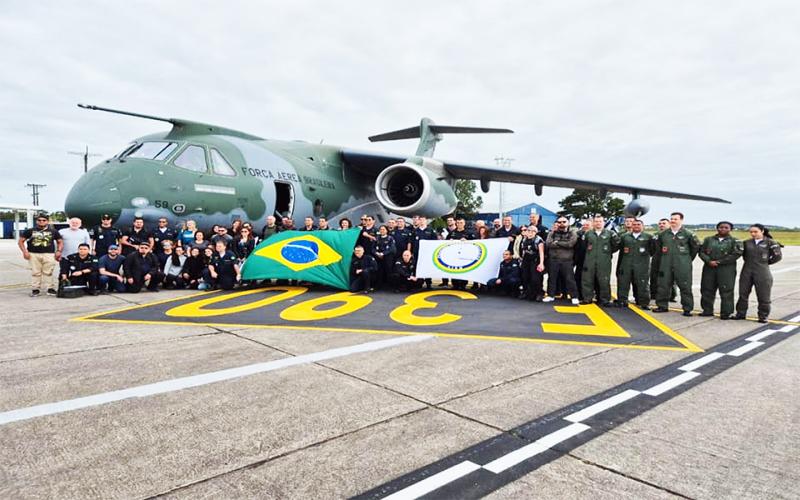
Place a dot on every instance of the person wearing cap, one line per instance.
(141, 269)
(104, 235)
(109, 268)
(41, 246)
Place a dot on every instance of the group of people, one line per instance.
(577, 261)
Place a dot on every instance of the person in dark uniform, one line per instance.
(308, 224)
(362, 271)
(192, 272)
(507, 230)
(580, 254)
(80, 269)
(323, 224)
(450, 226)
(104, 235)
(663, 225)
(402, 277)
(760, 252)
(135, 236)
(561, 259)
(459, 232)
(678, 247)
(163, 233)
(532, 253)
(509, 278)
(141, 270)
(369, 233)
(600, 246)
(633, 266)
(403, 236)
(223, 268)
(536, 221)
(719, 254)
(423, 232)
(244, 245)
(109, 268)
(385, 252)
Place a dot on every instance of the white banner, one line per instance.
(472, 260)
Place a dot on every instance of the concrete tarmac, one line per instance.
(338, 424)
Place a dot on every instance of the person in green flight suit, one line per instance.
(633, 266)
(600, 245)
(719, 254)
(663, 225)
(678, 248)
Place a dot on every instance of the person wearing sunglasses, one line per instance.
(561, 248)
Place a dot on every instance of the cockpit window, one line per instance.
(192, 158)
(125, 151)
(220, 164)
(150, 150)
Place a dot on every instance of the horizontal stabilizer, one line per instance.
(429, 134)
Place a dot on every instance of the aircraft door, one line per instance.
(284, 198)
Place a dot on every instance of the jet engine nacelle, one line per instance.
(410, 189)
(637, 208)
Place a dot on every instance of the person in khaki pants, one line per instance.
(41, 246)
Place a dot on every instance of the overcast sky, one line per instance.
(701, 97)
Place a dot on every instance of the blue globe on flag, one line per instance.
(300, 251)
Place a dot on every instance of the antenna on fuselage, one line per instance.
(129, 113)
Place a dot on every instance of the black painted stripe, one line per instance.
(482, 482)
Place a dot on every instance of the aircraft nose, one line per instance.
(91, 197)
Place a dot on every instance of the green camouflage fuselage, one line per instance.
(271, 177)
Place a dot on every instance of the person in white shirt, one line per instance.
(73, 236)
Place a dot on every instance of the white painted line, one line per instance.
(788, 328)
(697, 363)
(434, 482)
(544, 443)
(762, 335)
(671, 383)
(590, 411)
(796, 319)
(745, 348)
(197, 380)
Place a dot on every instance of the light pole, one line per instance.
(502, 162)
(85, 155)
(35, 192)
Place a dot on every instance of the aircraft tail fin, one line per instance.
(429, 134)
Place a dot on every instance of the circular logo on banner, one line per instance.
(460, 257)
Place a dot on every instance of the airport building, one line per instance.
(520, 215)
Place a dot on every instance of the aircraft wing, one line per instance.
(372, 164)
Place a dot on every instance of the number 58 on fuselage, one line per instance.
(215, 175)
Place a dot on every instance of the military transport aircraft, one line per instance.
(215, 175)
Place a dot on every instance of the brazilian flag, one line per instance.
(316, 256)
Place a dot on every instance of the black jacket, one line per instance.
(137, 265)
(366, 263)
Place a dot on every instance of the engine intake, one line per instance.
(409, 189)
(637, 208)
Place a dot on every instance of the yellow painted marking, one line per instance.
(198, 309)
(140, 306)
(404, 314)
(667, 330)
(307, 311)
(749, 318)
(602, 324)
(465, 336)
